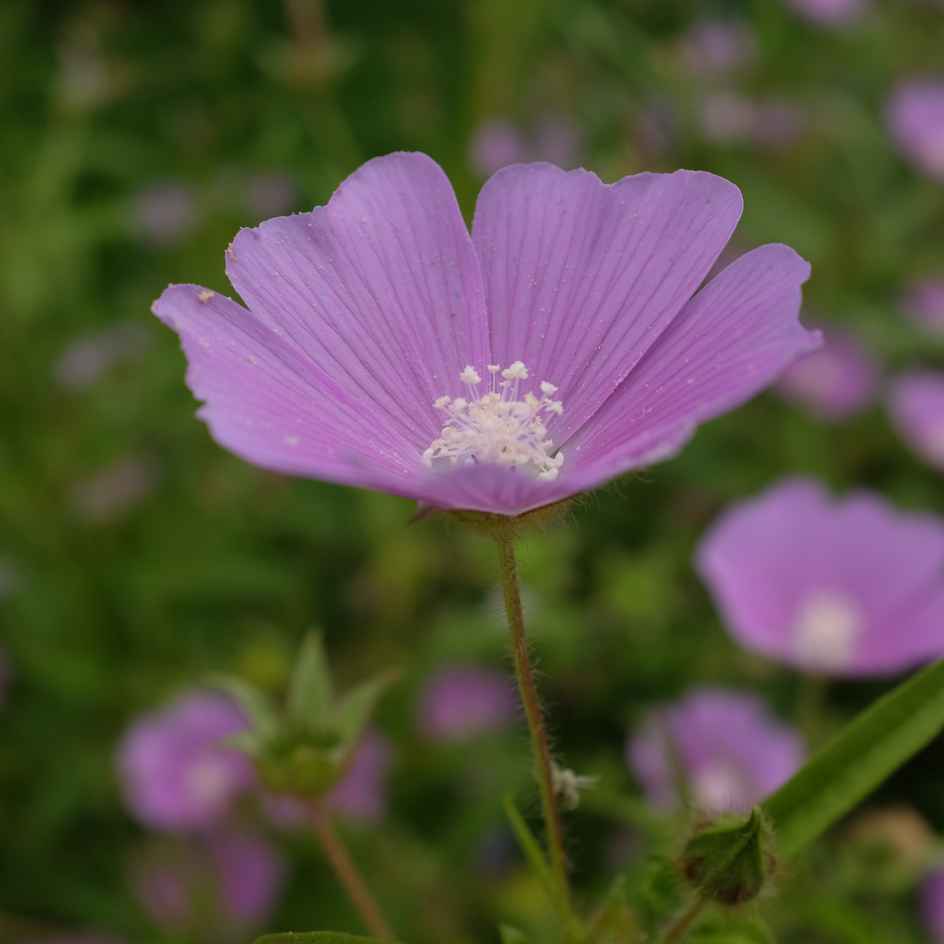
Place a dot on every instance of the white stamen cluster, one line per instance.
(498, 426)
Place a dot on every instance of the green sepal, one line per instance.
(311, 691)
(730, 860)
(353, 710)
(262, 714)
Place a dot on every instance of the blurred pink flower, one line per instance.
(362, 793)
(271, 194)
(176, 771)
(731, 750)
(916, 405)
(830, 12)
(164, 213)
(932, 905)
(223, 884)
(499, 142)
(923, 303)
(88, 358)
(847, 587)
(112, 491)
(834, 382)
(718, 47)
(732, 117)
(916, 122)
(460, 702)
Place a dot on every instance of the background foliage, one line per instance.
(113, 603)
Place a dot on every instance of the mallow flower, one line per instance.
(923, 303)
(932, 904)
(846, 587)
(916, 122)
(834, 382)
(176, 769)
(460, 702)
(728, 748)
(916, 407)
(567, 339)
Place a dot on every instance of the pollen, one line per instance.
(501, 425)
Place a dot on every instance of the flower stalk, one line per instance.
(540, 746)
(349, 875)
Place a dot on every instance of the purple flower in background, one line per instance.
(916, 122)
(731, 751)
(499, 142)
(830, 12)
(112, 491)
(923, 302)
(718, 47)
(362, 793)
(165, 213)
(271, 194)
(846, 587)
(730, 117)
(461, 702)
(565, 342)
(835, 381)
(226, 882)
(176, 771)
(932, 904)
(916, 405)
(86, 360)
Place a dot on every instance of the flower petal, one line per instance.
(265, 401)
(728, 343)
(581, 277)
(380, 289)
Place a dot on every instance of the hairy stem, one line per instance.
(527, 688)
(349, 876)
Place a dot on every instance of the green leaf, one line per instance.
(354, 709)
(311, 692)
(531, 849)
(318, 937)
(857, 760)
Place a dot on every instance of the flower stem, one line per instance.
(532, 708)
(683, 924)
(348, 875)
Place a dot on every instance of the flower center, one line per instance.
(720, 787)
(827, 627)
(499, 425)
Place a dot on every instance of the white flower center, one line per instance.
(826, 629)
(208, 780)
(499, 426)
(720, 787)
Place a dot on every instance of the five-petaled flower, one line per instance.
(566, 340)
(848, 587)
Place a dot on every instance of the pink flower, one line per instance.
(834, 382)
(916, 405)
(225, 884)
(830, 12)
(566, 341)
(731, 751)
(916, 122)
(923, 302)
(846, 587)
(462, 701)
(176, 770)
